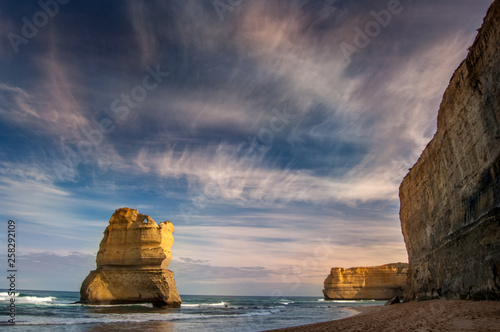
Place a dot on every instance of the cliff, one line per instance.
(365, 283)
(132, 263)
(450, 199)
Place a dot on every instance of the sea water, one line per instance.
(57, 311)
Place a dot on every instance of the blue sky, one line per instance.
(273, 134)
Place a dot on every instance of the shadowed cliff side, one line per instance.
(132, 263)
(450, 199)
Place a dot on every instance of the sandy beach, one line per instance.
(436, 315)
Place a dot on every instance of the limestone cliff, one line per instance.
(450, 199)
(365, 283)
(132, 263)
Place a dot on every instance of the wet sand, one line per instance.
(436, 315)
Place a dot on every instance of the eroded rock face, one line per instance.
(132, 263)
(366, 283)
(450, 199)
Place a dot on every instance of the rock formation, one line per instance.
(366, 283)
(132, 263)
(450, 199)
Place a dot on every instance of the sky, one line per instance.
(273, 134)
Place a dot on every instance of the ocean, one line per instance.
(57, 311)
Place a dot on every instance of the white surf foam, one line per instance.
(4, 296)
(203, 305)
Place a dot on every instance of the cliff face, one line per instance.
(365, 283)
(450, 200)
(132, 263)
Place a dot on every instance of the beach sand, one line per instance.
(436, 315)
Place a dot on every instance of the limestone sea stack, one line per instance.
(132, 263)
(366, 283)
(450, 199)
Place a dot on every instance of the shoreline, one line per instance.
(435, 315)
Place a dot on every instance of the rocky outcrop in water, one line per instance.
(450, 199)
(365, 283)
(132, 263)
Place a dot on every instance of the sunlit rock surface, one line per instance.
(365, 283)
(132, 263)
(450, 199)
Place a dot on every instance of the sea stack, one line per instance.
(450, 199)
(132, 263)
(366, 283)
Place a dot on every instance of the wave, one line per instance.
(351, 301)
(147, 305)
(128, 318)
(204, 305)
(4, 296)
(35, 299)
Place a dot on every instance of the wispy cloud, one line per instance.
(244, 181)
(52, 271)
(187, 269)
(142, 21)
(17, 104)
(51, 108)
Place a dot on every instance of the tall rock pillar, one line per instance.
(132, 263)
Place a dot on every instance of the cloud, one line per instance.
(286, 48)
(302, 257)
(51, 216)
(21, 186)
(388, 112)
(51, 271)
(51, 108)
(142, 22)
(221, 174)
(189, 271)
(25, 171)
(299, 239)
(17, 104)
